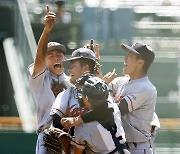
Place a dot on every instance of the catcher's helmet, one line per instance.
(96, 91)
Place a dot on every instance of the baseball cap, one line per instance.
(80, 53)
(142, 49)
(95, 90)
(56, 46)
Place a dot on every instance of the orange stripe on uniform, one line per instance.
(131, 102)
(38, 75)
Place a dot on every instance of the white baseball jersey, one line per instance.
(96, 137)
(140, 96)
(40, 85)
(66, 104)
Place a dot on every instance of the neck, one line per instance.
(56, 76)
(137, 76)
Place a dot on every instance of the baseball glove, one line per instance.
(57, 140)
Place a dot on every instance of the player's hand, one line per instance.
(91, 47)
(69, 122)
(49, 19)
(110, 76)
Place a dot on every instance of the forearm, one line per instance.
(43, 41)
(57, 121)
(102, 114)
(89, 116)
(49, 21)
(41, 52)
(69, 122)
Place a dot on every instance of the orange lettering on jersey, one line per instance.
(73, 111)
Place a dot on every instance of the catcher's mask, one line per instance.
(95, 90)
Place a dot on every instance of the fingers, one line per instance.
(91, 47)
(110, 76)
(113, 74)
(67, 122)
(47, 9)
(97, 52)
(49, 13)
(92, 44)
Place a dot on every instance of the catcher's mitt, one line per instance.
(57, 140)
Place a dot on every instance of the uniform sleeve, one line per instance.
(36, 81)
(138, 99)
(113, 86)
(61, 103)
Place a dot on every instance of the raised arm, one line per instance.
(49, 21)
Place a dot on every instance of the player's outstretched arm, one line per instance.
(110, 76)
(49, 21)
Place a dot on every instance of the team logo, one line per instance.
(73, 111)
(133, 96)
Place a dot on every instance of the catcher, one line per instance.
(106, 135)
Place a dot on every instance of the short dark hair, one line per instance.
(146, 64)
(89, 62)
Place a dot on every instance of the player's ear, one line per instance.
(86, 68)
(141, 61)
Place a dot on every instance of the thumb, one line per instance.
(47, 9)
(114, 71)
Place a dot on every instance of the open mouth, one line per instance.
(57, 66)
(125, 65)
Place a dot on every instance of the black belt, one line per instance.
(135, 145)
(123, 146)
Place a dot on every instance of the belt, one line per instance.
(133, 145)
(122, 145)
(128, 146)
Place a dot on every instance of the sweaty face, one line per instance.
(130, 64)
(75, 71)
(54, 62)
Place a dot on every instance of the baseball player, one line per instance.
(104, 137)
(136, 98)
(81, 62)
(47, 78)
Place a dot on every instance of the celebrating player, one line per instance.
(104, 136)
(47, 78)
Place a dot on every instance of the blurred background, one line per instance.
(109, 23)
